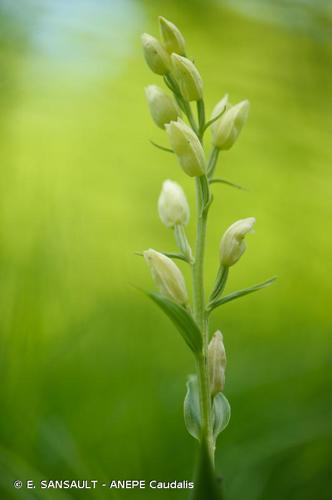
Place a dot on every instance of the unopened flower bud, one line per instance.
(219, 108)
(217, 363)
(227, 129)
(167, 276)
(155, 55)
(162, 107)
(232, 244)
(172, 37)
(188, 78)
(173, 207)
(187, 148)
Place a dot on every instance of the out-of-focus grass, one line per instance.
(92, 376)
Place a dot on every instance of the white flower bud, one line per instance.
(155, 55)
(232, 244)
(162, 107)
(187, 148)
(216, 363)
(167, 276)
(173, 207)
(227, 129)
(188, 78)
(220, 107)
(172, 37)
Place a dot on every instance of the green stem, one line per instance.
(190, 117)
(200, 317)
(182, 242)
(201, 118)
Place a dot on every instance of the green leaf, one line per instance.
(183, 243)
(206, 485)
(240, 293)
(228, 183)
(171, 255)
(210, 122)
(221, 414)
(163, 148)
(181, 319)
(191, 408)
(220, 283)
(174, 255)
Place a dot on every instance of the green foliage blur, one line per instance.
(92, 375)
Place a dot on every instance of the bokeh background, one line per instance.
(92, 376)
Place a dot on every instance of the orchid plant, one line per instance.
(206, 408)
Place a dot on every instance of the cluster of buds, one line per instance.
(173, 113)
(167, 58)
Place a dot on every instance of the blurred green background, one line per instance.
(92, 376)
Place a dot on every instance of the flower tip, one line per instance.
(171, 36)
(251, 221)
(245, 226)
(243, 108)
(173, 123)
(246, 105)
(148, 89)
(177, 59)
(218, 335)
(145, 37)
(147, 253)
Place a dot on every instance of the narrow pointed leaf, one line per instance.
(171, 255)
(210, 122)
(181, 319)
(240, 293)
(183, 243)
(163, 148)
(228, 183)
(221, 414)
(174, 255)
(220, 283)
(191, 408)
